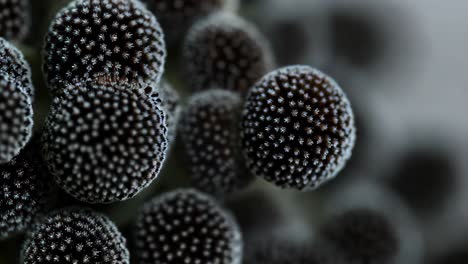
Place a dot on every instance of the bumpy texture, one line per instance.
(188, 227)
(24, 191)
(298, 128)
(362, 236)
(104, 144)
(14, 18)
(92, 39)
(210, 130)
(224, 51)
(16, 118)
(282, 252)
(13, 63)
(75, 236)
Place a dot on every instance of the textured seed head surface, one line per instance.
(75, 236)
(298, 128)
(16, 118)
(13, 63)
(24, 191)
(281, 252)
(211, 135)
(104, 143)
(227, 52)
(14, 18)
(186, 226)
(90, 39)
(362, 236)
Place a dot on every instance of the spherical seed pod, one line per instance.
(14, 18)
(186, 226)
(298, 128)
(104, 143)
(25, 189)
(210, 130)
(75, 235)
(91, 39)
(225, 51)
(16, 118)
(13, 63)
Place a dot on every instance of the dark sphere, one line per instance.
(16, 118)
(298, 128)
(13, 63)
(75, 236)
(25, 189)
(15, 16)
(362, 236)
(93, 39)
(104, 143)
(186, 226)
(224, 51)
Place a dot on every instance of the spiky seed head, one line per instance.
(25, 190)
(362, 236)
(298, 128)
(15, 16)
(75, 235)
(104, 143)
(92, 39)
(210, 130)
(227, 52)
(13, 63)
(186, 226)
(16, 118)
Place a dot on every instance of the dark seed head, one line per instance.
(186, 226)
(16, 118)
(13, 63)
(14, 18)
(91, 39)
(210, 131)
(362, 236)
(282, 252)
(298, 128)
(224, 51)
(24, 190)
(75, 235)
(104, 143)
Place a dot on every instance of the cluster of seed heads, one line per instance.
(186, 226)
(90, 39)
(224, 51)
(14, 18)
(298, 128)
(75, 235)
(211, 135)
(104, 143)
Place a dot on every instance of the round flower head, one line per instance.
(91, 39)
(298, 128)
(104, 143)
(186, 226)
(210, 131)
(24, 191)
(13, 63)
(16, 118)
(225, 51)
(73, 236)
(14, 18)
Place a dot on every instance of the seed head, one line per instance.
(13, 63)
(14, 18)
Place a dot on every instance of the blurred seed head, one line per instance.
(16, 118)
(298, 128)
(104, 143)
(15, 16)
(75, 235)
(90, 39)
(13, 63)
(282, 252)
(186, 226)
(227, 52)
(210, 131)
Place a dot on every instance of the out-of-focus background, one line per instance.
(404, 66)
